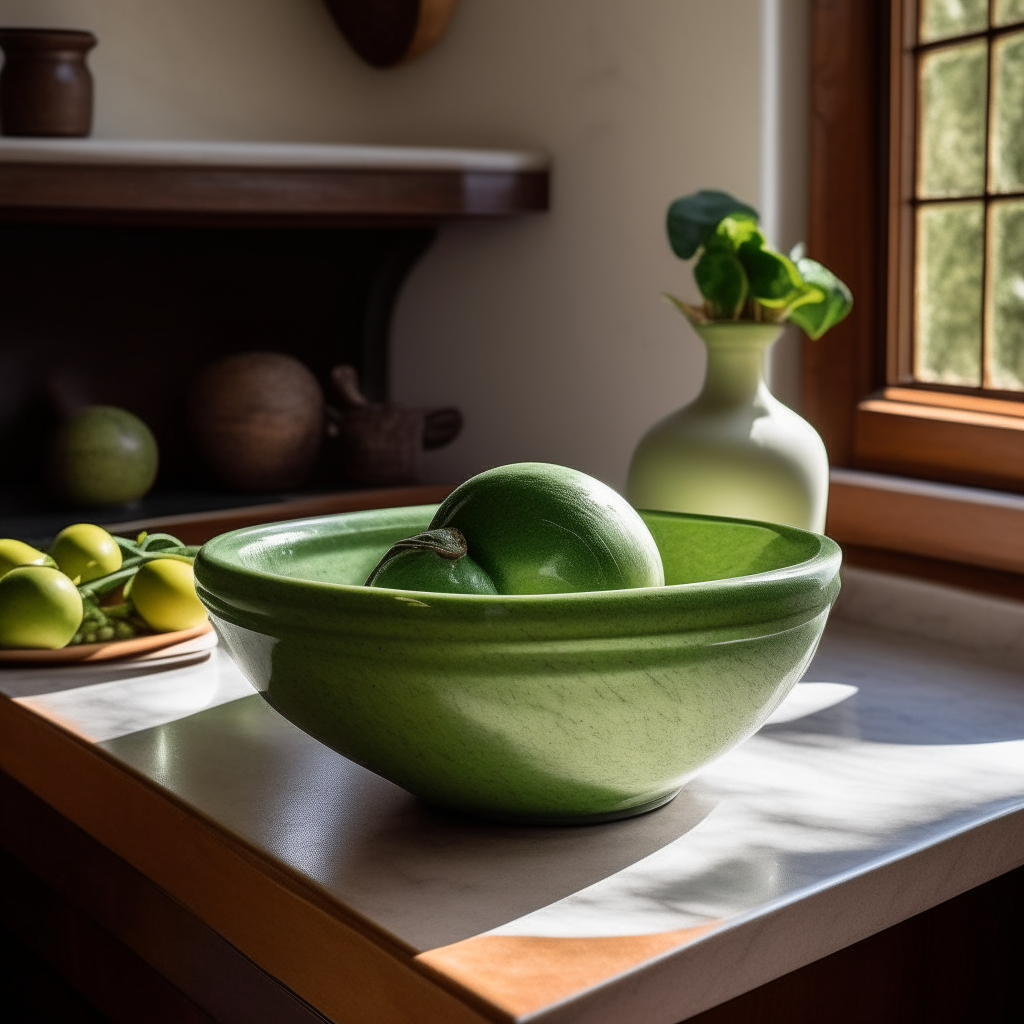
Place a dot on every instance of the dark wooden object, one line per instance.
(45, 85)
(389, 32)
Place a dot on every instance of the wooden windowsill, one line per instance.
(951, 437)
(981, 407)
(965, 525)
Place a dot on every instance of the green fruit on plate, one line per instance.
(103, 456)
(85, 552)
(164, 594)
(15, 552)
(537, 528)
(39, 608)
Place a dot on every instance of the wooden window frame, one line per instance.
(877, 429)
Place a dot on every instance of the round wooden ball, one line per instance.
(257, 419)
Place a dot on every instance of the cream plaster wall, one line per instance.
(547, 331)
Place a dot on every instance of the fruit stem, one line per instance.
(447, 542)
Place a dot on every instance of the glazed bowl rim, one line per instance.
(828, 550)
(729, 608)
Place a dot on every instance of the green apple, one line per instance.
(15, 552)
(39, 608)
(103, 456)
(164, 594)
(85, 552)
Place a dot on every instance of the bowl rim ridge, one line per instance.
(234, 591)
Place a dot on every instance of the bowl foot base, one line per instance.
(558, 820)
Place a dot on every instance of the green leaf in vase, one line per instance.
(817, 316)
(723, 283)
(775, 281)
(691, 219)
(733, 231)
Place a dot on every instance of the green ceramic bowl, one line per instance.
(547, 708)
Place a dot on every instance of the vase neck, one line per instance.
(735, 371)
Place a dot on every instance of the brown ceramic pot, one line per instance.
(45, 85)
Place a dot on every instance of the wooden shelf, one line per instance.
(252, 184)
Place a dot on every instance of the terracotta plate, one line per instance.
(103, 652)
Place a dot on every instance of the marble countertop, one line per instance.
(291, 155)
(890, 780)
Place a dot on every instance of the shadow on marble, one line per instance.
(38, 680)
(906, 690)
(428, 878)
(925, 721)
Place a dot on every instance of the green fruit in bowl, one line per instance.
(85, 552)
(39, 608)
(15, 552)
(436, 561)
(103, 456)
(530, 528)
(164, 594)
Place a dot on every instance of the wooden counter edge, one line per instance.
(331, 957)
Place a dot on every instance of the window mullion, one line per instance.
(986, 320)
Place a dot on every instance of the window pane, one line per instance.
(948, 315)
(942, 18)
(1008, 11)
(1008, 117)
(954, 83)
(1006, 295)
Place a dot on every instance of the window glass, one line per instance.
(1007, 170)
(943, 18)
(949, 274)
(1006, 295)
(954, 83)
(1008, 11)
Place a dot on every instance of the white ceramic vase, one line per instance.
(736, 450)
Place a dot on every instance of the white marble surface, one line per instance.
(890, 780)
(169, 152)
(991, 627)
(101, 701)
